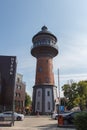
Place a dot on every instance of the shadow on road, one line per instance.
(54, 127)
(48, 127)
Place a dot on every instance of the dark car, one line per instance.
(55, 115)
(69, 117)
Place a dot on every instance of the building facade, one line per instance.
(44, 49)
(20, 94)
(7, 81)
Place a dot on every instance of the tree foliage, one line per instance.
(27, 100)
(76, 94)
(82, 92)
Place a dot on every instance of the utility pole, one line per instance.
(58, 91)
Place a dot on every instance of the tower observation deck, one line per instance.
(44, 49)
(44, 44)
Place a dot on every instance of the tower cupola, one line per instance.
(44, 42)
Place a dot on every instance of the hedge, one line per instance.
(80, 121)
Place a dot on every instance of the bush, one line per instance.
(80, 121)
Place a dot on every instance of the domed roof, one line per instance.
(44, 30)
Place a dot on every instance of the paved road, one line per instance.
(35, 123)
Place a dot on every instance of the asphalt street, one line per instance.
(35, 123)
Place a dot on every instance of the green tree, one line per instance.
(28, 101)
(76, 94)
(82, 92)
(70, 92)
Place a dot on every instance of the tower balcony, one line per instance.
(44, 49)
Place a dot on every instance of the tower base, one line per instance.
(43, 99)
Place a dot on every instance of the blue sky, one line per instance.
(20, 20)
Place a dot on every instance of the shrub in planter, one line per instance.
(80, 121)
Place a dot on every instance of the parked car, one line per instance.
(8, 116)
(68, 118)
(55, 115)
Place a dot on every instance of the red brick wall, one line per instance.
(44, 71)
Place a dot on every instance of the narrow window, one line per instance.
(38, 93)
(47, 80)
(38, 105)
(48, 93)
(40, 69)
(18, 80)
(48, 105)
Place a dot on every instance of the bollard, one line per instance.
(60, 120)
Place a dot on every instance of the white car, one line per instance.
(54, 115)
(9, 115)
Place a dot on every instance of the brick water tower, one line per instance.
(44, 91)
